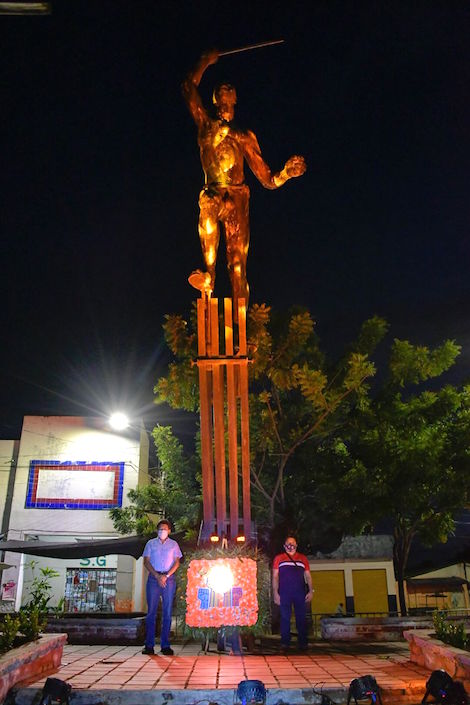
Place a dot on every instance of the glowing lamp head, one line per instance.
(240, 538)
(214, 538)
(220, 578)
(119, 421)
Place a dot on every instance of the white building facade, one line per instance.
(70, 471)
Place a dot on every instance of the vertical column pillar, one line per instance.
(232, 418)
(219, 419)
(244, 419)
(205, 405)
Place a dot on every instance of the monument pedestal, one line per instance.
(225, 433)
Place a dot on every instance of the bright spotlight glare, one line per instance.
(220, 578)
(119, 421)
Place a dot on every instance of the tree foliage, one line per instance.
(409, 451)
(295, 398)
(179, 388)
(173, 493)
(402, 454)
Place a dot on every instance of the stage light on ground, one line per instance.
(214, 538)
(220, 579)
(55, 690)
(240, 538)
(250, 692)
(444, 689)
(364, 688)
(438, 685)
(118, 421)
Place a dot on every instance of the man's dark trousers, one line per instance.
(154, 592)
(293, 598)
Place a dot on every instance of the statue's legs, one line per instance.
(235, 218)
(209, 231)
(229, 206)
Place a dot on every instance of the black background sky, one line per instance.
(100, 177)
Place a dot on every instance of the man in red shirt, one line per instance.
(292, 587)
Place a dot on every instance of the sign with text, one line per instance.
(54, 484)
(99, 562)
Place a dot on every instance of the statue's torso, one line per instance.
(222, 153)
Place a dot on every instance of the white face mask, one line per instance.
(163, 534)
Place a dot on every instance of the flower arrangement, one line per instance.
(221, 592)
(208, 607)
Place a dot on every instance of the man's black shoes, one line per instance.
(150, 651)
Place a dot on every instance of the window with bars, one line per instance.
(90, 590)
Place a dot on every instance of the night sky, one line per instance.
(100, 178)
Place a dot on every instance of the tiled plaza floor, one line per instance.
(324, 666)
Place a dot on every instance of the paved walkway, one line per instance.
(328, 667)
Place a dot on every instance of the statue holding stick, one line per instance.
(224, 199)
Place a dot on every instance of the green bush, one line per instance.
(41, 590)
(58, 610)
(33, 615)
(32, 622)
(452, 633)
(9, 628)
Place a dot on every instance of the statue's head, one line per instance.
(225, 98)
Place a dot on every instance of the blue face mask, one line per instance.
(162, 534)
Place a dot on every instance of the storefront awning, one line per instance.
(127, 546)
(442, 583)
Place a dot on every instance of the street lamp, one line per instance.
(119, 421)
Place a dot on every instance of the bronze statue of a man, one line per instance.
(225, 196)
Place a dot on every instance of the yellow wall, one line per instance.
(329, 591)
(370, 590)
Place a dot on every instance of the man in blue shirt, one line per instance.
(161, 558)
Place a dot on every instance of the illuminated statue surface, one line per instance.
(224, 200)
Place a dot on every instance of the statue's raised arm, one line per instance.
(191, 84)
